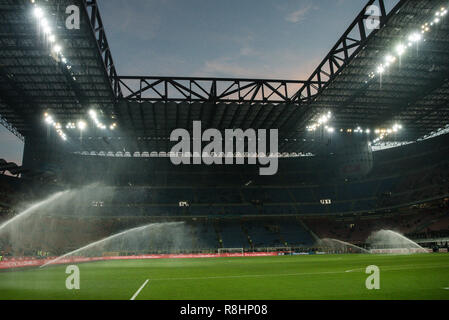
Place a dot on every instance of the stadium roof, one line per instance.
(413, 91)
(33, 79)
(364, 92)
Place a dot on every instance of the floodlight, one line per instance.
(390, 59)
(46, 29)
(414, 37)
(44, 22)
(38, 13)
(57, 48)
(380, 69)
(49, 119)
(81, 125)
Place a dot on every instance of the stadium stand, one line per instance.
(405, 193)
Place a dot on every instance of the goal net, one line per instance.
(230, 250)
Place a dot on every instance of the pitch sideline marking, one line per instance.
(293, 274)
(402, 267)
(140, 289)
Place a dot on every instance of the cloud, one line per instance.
(299, 15)
(247, 51)
(276, 64)
(226, 67)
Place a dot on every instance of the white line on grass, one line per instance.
(140, 289)
(402, 267)
(397, 268)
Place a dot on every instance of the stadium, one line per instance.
(202, 188)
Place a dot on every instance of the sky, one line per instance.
(280, 39)
(275, 39)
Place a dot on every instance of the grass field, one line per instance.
(421, 276)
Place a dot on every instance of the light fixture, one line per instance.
(38, 13)
(82, 125)
(390, 59)
(412, 38)
(56, 125)
(44, 22)
(49, 120)
(415, 37)
(380, 69)
(57, 48)
(46, 30)
(70, 125)
(322, 120)
(400, 49)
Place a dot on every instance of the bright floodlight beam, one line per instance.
(415, 37)
(380, 69)
(82, 125)
(49, 120)
(400, 49)
(390, 59)
(38, 13)
(44, 22)
(57, 48)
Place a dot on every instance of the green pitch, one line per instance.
(421, 276)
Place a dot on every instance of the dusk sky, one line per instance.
(231, 38)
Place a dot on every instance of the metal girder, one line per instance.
(341, 54)
(353, 40)
(98, 32)
(189, 89)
